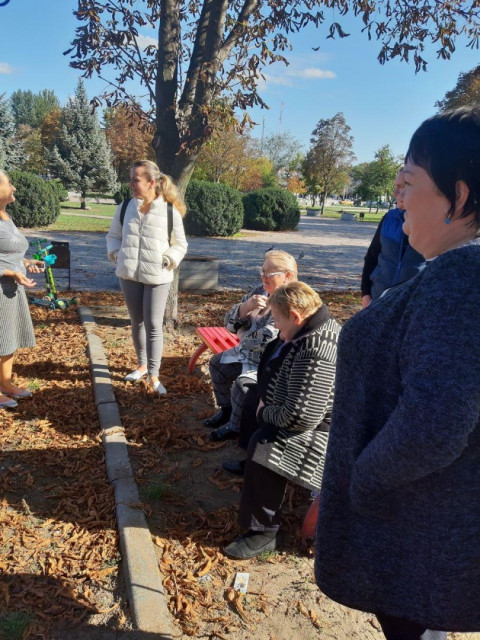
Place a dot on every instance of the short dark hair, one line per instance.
(447, 147)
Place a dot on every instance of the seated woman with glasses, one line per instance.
(233, 371)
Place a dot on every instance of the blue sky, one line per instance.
(382, 104)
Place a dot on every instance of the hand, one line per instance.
(35, 266)
(22, 279)
(257, 302)
(261, 404)
(167, 263)
(366, 299)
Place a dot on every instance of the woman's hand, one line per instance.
(366, 299)
(34, 266)
(257, 302)
(22, 279)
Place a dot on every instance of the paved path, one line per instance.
(332, 255)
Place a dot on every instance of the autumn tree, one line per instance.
(82, 157)
(129, 138)
(234, 159)
(466, 91)
(208, 57)
(329, 157)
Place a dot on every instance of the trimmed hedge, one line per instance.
(213, 209)
(271, 209)
(122, 193)
(59, 190)
(36, 202)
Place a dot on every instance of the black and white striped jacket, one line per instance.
(297, 388)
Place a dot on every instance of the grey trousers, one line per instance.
(229, 387)
(146, 307)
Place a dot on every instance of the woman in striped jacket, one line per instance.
(286, 418)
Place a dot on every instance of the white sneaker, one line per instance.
(135, 375)
(159, 388)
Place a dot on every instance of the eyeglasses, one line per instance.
(269, 275)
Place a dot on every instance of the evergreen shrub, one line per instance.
(122, 193)
(271, 209)
(58, 189)
(213, 209)
(36, 203)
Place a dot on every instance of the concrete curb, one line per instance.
(142, 576)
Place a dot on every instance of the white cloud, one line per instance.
(312, 72)
(145, 41)
(281, 80)
(5, 68)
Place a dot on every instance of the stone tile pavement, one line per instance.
(330, 255)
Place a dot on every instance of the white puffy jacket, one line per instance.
(139, 246)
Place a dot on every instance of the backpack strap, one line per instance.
(170, 221)
(125, 204)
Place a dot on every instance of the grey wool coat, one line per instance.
(297, 388)
(399, 516)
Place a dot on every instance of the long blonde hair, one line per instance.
(164, 185)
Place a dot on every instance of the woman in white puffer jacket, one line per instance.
(145, 258)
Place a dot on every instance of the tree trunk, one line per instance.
(322, 205)
(171, 310)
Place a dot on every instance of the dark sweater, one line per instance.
(399, 518)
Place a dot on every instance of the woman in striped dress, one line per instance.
(16, 329)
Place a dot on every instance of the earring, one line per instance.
(447, 220)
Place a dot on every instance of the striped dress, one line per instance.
(16, 329)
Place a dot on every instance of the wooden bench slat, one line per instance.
(217, 339)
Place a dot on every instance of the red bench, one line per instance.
(217, 339)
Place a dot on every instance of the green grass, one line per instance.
(13, 626)
(94, 208)
(334, 212)
(76, 223)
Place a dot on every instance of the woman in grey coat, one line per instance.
(399, 518)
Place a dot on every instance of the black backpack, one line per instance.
(169, 216)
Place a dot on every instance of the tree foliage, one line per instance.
(466, 91)
(373, 181)
(31, 109)
(82, 157)
(209, 55)
(233, 159)
(329, 157)
(129, 140)
(11, 147)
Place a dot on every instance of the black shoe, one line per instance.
(237, 467)
(223, 433)
(219, 419)
(250, 545)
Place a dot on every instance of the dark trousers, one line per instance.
(400, 629)
(263, 493)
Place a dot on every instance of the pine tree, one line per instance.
(11, 149)
(82, 157)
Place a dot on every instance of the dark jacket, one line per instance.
(297, 388)
(399, 516)
(390, 260)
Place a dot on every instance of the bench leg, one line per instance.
(193, 360)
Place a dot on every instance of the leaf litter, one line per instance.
(59, 549)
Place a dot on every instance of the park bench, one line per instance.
(217, 339)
